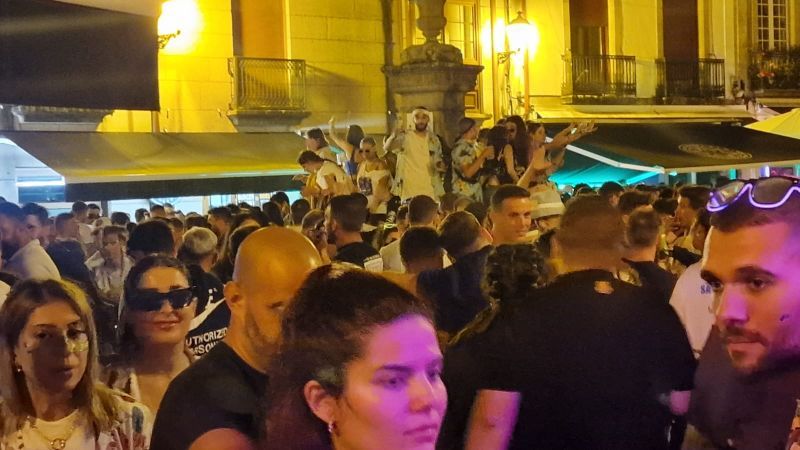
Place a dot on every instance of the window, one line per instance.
(771, 24)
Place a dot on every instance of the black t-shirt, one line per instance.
(660, 281)
(462, 375)
(210, 325)
(591, 359)
(218, 391)
(360, 254)
(751, 412)
(456, 290)
(209, 328)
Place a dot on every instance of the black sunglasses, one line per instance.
(152, 301)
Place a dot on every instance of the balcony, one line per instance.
(609, 79)
(690, 82)
(775, 73)
(268, 94)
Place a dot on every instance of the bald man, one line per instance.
(213, 405)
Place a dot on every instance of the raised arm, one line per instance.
(470, 169)
(338, 139)
(567, 136)
(392, 142)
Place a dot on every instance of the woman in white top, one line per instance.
(374, 180)
(49, 395)
(110, 265)
(157, 310)
(330, 179)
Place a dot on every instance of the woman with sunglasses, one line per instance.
(50, 398)
(157, 310)
(374, 180)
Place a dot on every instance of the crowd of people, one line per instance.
(396, 306)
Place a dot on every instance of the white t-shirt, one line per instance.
(132, 430)
(326, 153)
(390, 254)
(416, 166)
(392, 262)
(85, 232)
(329, 168)
(81, 436)
(693, 300)
(32, 261)
(368, 182)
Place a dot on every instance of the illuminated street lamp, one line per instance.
(522, 36)
(178, 25)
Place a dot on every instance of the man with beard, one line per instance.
(214, 404)
(25, 256)
(748, 380)
(419, 159)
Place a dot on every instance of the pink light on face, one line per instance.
(753, 271)
(394, 395)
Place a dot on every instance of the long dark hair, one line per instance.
(324, 329)
(521, 142)
(497, 138)
(127, 340)
(512, 271)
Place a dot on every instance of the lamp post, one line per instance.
(523, 39)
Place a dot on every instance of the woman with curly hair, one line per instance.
(512, 273)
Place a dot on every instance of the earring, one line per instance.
(331, 426)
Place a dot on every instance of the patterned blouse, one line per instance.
(131, 431)
(466, 152)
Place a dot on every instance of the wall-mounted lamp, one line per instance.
(522, 36)
(179, 25)
(163, 39)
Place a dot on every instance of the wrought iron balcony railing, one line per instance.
(599, 77)
(694, 79)
(261, 84)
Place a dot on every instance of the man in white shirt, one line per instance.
(422, 211)
(26, 257)
(419, 159)
(693, 300)
(81, 212)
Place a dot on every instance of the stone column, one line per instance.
(433, 74)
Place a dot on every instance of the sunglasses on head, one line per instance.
(763, 193)
(152, 301)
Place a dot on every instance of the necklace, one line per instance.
(56, 443)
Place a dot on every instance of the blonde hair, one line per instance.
(97, 401)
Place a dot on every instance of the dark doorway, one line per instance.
(680, 30)
(679, 76)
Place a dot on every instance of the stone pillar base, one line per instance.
(437, 85)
